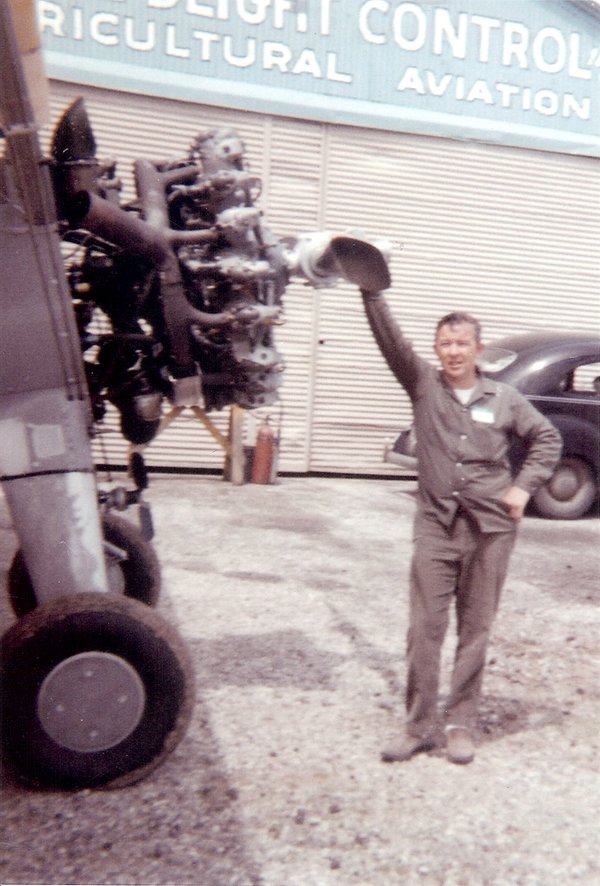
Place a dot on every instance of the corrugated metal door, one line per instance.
(508, 234)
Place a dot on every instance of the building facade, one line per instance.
(466, 132)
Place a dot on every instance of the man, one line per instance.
(469, 506)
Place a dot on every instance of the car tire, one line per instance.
(138, 576)
(570, 492)
(96, 691)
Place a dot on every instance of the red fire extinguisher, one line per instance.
(265, 452)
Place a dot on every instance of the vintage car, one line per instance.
(559, 372)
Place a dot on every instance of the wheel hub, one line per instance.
(91, 701)
(565, 483)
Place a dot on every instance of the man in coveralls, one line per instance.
(469, 506)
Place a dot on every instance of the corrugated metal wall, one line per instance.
(509, 235)
(505, 233)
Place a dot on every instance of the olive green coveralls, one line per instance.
(463, 535)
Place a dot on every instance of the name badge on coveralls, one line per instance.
(484, 414)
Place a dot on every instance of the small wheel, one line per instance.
(136, 576)
(569, 493)
(96, 691)
(141, 568)
(137, 430)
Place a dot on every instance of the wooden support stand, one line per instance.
(234, 454)
(232, 444)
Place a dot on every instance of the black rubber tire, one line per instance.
(136, 430)
(69, 626)
(141, 569)
(140, 572)
(570, 492)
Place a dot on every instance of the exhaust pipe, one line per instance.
(101, 217)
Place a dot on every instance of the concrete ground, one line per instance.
(292, 599)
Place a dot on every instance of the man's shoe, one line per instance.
(459, 745)
(405, 748)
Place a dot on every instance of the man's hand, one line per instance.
(515, 501)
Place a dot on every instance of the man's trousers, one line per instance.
(468, 566)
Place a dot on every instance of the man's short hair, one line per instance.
(457, 317)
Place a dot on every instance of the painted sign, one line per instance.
(521, 72)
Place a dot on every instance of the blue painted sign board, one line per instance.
(518, 72)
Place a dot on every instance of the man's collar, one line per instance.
(483, 384)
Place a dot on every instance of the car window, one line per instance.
(584, 379)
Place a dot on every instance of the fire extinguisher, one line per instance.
(264, 454)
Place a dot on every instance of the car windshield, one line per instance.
(494, 359)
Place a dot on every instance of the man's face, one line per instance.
(457, 349)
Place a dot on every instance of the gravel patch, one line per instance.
(292, 599)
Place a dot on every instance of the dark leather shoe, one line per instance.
(459, 745)
(405, 748)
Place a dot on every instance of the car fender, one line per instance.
(580, 438)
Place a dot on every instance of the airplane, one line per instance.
(97, 687)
